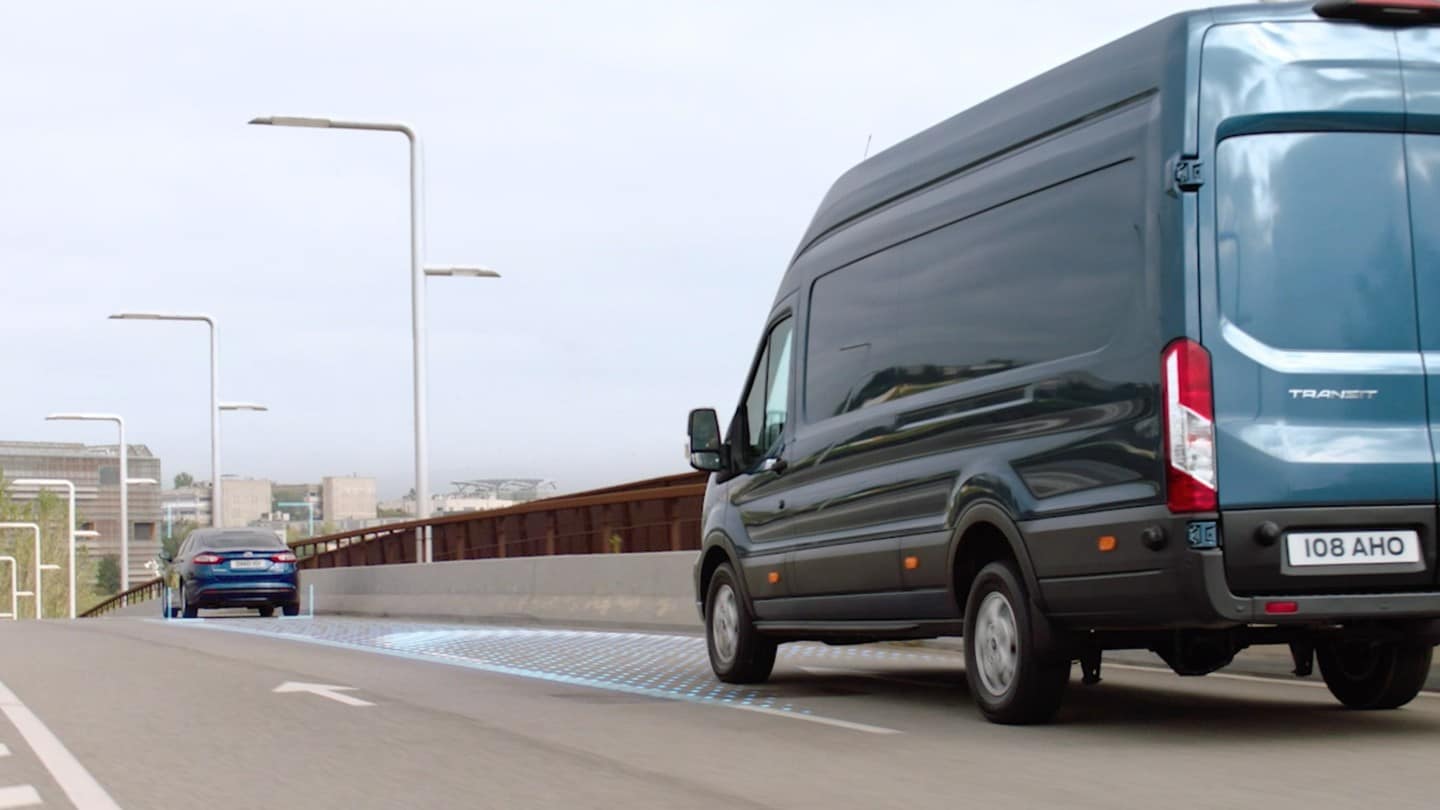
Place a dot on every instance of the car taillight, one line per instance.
(208, 559)
(1385, 12)
(283, 557)
(1189, 428)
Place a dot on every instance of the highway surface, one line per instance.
(347, 713)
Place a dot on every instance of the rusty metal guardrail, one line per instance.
(656, 514)
(143, 592)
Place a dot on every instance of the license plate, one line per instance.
(1353, 548)
(249, 565)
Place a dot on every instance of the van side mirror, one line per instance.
(166, 557)
(706, 451)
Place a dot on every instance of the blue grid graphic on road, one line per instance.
(665, 666)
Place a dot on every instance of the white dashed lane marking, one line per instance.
(72, 777)
(19, 796)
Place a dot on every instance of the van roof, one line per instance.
(1152, 59)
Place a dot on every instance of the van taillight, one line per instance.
(1385, 12)
(1189, 428)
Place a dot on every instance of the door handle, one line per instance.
(775, 465)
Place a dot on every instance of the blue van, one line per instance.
(1132, 356)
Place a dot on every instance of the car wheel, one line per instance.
(1374, 676)
(1013, 680)
(292, 609)
(267, 611)
(190, 611)
(738, 653)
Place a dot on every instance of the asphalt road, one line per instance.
(184, 714)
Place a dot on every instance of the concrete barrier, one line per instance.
(637, 590)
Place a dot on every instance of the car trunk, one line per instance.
(1325, 340)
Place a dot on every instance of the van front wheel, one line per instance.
(1012, 680)
(738, 653)
(1374, 676)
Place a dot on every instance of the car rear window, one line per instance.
(227, 542)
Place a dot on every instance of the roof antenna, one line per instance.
(867, 146)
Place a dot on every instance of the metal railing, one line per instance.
(143, 592)
(656, 514)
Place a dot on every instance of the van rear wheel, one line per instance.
(738, 653)
(1012, 679)
(1374, 676)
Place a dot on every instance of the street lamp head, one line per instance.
(83, 417)
(242, 406)
(462, 272)
(159, 316)
(289, 121)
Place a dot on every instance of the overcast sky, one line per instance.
(640, 172)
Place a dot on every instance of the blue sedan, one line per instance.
(228, 568)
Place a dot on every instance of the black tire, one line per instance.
(1374, 676)
(190, 611)
(751, 656)
(292, 609)
(1017, 683)
(267, 611)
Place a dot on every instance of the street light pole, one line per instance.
(14, 614)
(70, 488)
(35, 527)
(423, 550)
(124, 488)
(215, 493)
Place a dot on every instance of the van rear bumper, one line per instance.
(1326, 607)
(1181, 587)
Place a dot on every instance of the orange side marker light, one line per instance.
(774, 577)
(911, 563)
(1106, 543)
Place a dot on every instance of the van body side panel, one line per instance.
(995, 342)
(1309, 302)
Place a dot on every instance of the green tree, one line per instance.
(107, 576)
(183, 480)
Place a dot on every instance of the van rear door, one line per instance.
(1322, 403)
(1419, 52)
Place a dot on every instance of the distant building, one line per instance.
(479, 495)
(344, 498)
(244, 500)
(185, 505)
(95, 471)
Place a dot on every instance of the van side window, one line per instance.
(1045, 276)
(767, 403)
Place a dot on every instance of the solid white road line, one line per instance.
(81, 788)
(20, 796)
(874, 676)
(814, 718)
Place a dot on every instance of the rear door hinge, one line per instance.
(1186, 174)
